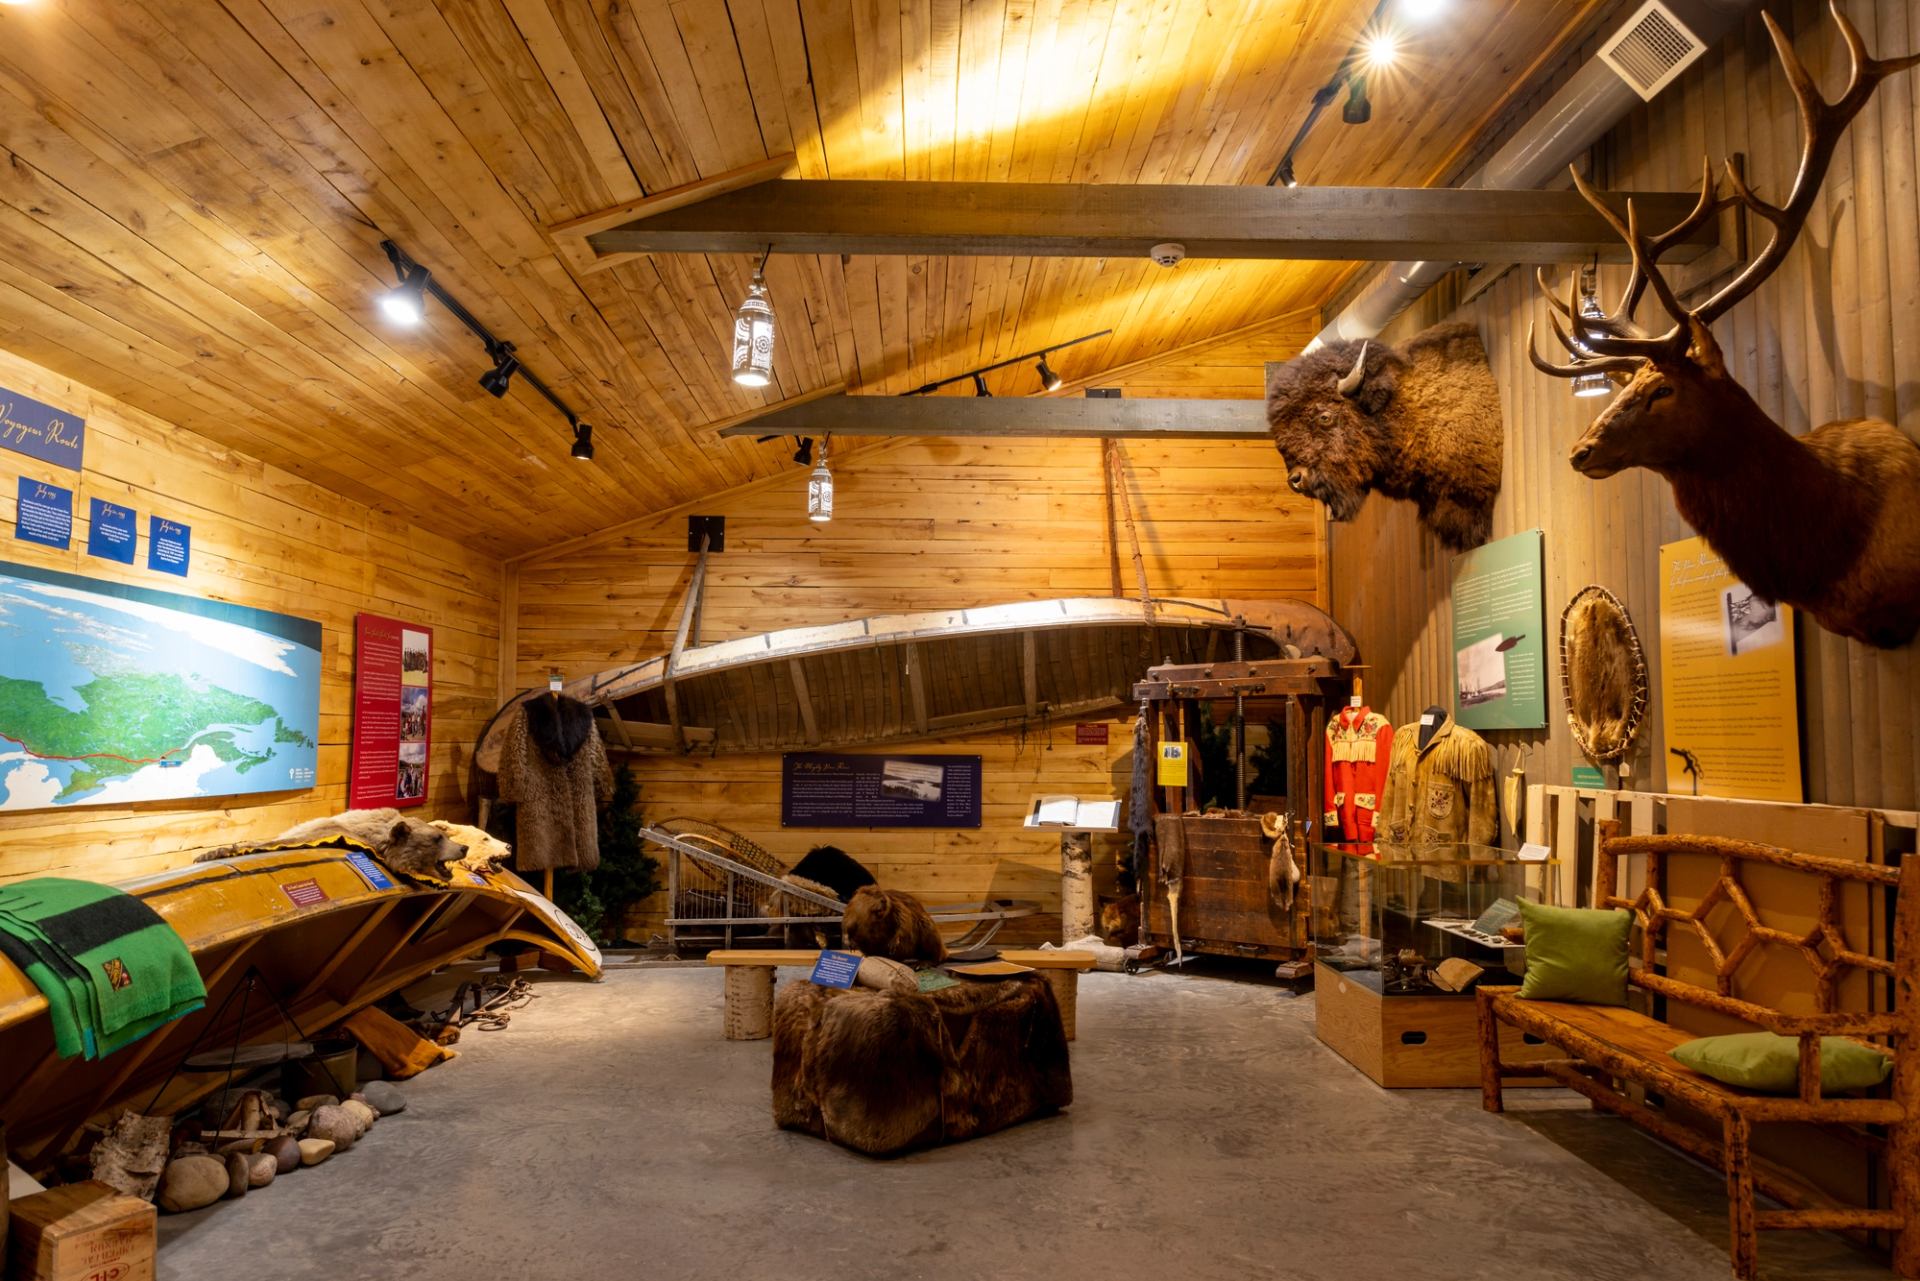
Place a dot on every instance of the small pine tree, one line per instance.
(598, 900)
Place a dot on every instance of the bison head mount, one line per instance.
(1420, 422)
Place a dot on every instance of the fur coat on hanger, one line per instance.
(553, 766)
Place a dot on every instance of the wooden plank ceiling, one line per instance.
(195, 193)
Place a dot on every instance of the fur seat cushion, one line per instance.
(885, 1073)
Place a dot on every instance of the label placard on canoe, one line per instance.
(835, 969)
(305, 893)
(375, 875)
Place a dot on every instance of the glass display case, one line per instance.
(1389, 918)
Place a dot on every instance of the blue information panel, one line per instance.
(169, 546)
(45, 514)
(836, 969)
(40, 431)
(827, 789)
(110, 531)
(376, 875)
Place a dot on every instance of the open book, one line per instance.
(1073, 813)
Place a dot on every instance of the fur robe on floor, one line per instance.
(554, 768)
(884, 1073)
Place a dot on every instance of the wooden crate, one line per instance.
(1224, 904)
(1410, 1042)
(81, 1232)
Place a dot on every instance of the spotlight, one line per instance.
(1381, 50)
(406, 302)
(582, 442)
(804, 454)
(1358, 110)
(1594, 384)
(1286, 174)
(1048, 379)
(980, 386)
(505, 365)
(1422, 10)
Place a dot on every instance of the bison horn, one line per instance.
(1350, 382)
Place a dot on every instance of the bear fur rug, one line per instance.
(886, 1073)
(891, 923)
(407, 845)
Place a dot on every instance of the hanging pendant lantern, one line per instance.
(820, 490)
(1594, 384)
(753, 333)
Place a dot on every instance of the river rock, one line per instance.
(363, 1115)
(385, 1098)
(239, 1174)
(285, 1151)
(334, 1123)
(312, 1101)
(298, 1122)
(314, 1151)
(191, 1182)
(262, 1168)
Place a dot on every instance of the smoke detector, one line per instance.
(1168, 254)
(1652, 49)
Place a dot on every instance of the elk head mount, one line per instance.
(1420, 421)
(1828, 522)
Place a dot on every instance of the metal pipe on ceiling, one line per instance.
(1590, 104)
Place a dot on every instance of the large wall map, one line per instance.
(113, 694)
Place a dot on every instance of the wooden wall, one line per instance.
(265, 539)
(1835, 334)
(925, 524)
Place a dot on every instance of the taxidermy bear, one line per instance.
(833, 867)
(406, 845)
(892, 924)
(1421, 422)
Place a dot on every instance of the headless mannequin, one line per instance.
(1430, 721)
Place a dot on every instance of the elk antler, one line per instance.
(1615, 336)
(1822, 122)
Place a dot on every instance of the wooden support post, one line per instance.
(688, 612)
(1903, 1138)
(1490, 1091)
(1737, 1134)
(1076, 886)
(749, 1013)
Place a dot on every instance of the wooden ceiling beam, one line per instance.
(1023, 416)
(1124, 220)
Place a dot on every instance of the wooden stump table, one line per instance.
(749, 1009)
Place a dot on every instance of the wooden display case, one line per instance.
(1411, 1042)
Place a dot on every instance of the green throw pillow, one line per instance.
(1770, 1063)
(1574, 954)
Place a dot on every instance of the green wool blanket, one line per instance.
(111, 969)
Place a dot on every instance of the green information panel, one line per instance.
(1499, 635)
(1588, 776)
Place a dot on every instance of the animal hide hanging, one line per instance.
(1283, 871)
(1513, 792)
(559, 726)
(1170, 834)
(1139, 805)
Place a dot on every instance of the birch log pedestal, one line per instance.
(749, 1010)
(1076, 880)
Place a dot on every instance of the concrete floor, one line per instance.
(610, 1132)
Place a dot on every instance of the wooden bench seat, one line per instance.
(1612, 1047)
(749, 1004)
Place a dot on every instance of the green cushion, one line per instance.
(1574, 954)
(1770, 1063)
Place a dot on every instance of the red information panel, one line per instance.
(392, 712)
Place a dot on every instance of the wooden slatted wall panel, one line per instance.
(261, 538)
(1835, 334)
(925, 524)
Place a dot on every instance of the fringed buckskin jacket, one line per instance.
(554, 767)
(1440, 794)
(1359, 744)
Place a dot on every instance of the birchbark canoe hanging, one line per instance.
(325, 931)
(897, 677)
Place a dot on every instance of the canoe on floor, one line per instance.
(326, 931)
(934, 674)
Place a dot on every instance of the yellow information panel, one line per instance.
(1173, 765)
(1728, 695)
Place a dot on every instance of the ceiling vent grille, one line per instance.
(1652, 49)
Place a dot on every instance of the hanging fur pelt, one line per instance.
(1283, 872)
(1170, 834)
(1600, 687)
(1139, 807)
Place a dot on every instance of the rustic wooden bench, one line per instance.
(749, 1011)
(1612, 1048)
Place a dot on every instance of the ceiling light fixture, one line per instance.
(1422, 10)
(1358, 109)
(820, 489)
(1377, 48)
(1592, 384)
(1284, 174)
(1382, 49)
(505, 366)
(753, 332)
(406, 304)
(1046, 370)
